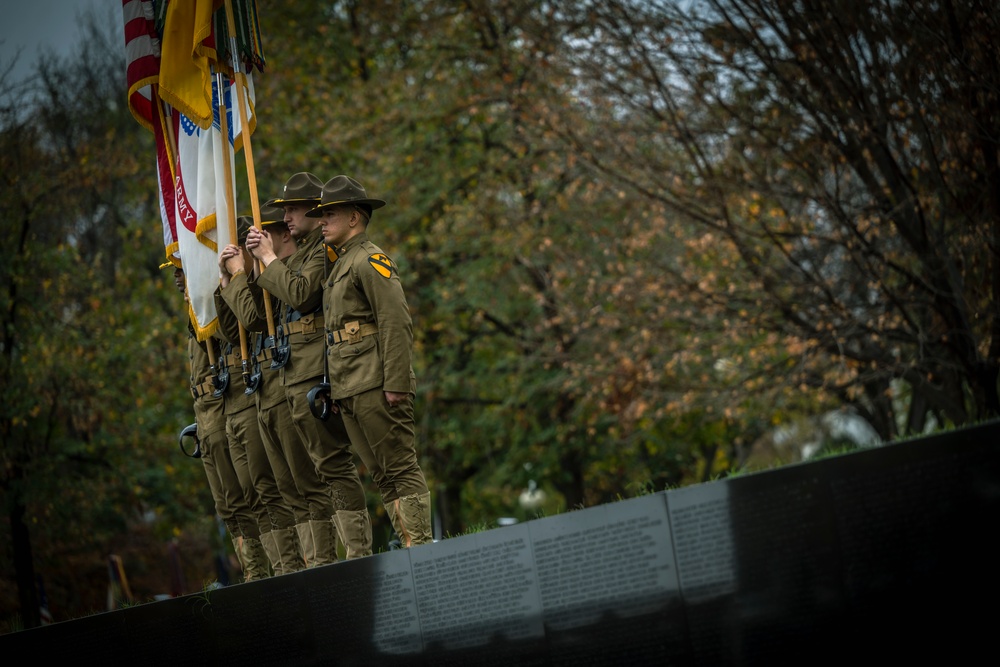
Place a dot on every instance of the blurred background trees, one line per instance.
(93, 362)
(642, 243)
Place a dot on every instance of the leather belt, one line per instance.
(307, 324)
(202, 389)
(352, 332)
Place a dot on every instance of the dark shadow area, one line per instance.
(878, 555)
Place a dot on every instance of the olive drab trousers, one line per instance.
(329, 448)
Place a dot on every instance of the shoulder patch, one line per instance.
(381, 263)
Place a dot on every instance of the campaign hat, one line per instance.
(302, 188)
(341, 190)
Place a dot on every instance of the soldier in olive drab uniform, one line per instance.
(298, 284)
(227, 494)
(369, 358)
(294, 471)
(246, 445)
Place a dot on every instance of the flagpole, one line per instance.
(168, 132)
(227, 166)
(241, 82)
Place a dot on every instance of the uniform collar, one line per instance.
(355, 240)
(310, 238)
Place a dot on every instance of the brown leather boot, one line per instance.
(390, 510)
(288, 550)
(255, 564)
(414, 515)
(306, 543)
(325, 538)
(271, 550)
(355, 530)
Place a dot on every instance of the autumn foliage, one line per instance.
(636, 238)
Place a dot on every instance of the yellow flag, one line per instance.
(185, 60)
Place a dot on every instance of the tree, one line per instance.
(635, 237)
(532, 281)
(92, 363)
(843, 157)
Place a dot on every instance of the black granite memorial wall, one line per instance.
(879, 556)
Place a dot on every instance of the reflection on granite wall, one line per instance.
(882, 555)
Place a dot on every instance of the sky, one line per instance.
(38, 26)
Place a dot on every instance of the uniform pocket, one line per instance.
(348, 350)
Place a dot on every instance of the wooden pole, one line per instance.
(241, 84)
(231, 206)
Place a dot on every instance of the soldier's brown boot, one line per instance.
(325, 538)
(289, 551)
(397, 528)
(355, 530)
(271, 550)
(414, 514)
(255, 560)
(238, 551)
(306, 543)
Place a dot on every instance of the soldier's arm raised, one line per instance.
(301, 289)
(246, 300)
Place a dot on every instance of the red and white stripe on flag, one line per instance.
(142, 72)
(142, 59)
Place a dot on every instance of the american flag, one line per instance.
(142, 57)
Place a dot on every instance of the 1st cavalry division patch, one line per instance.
(382, 264)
